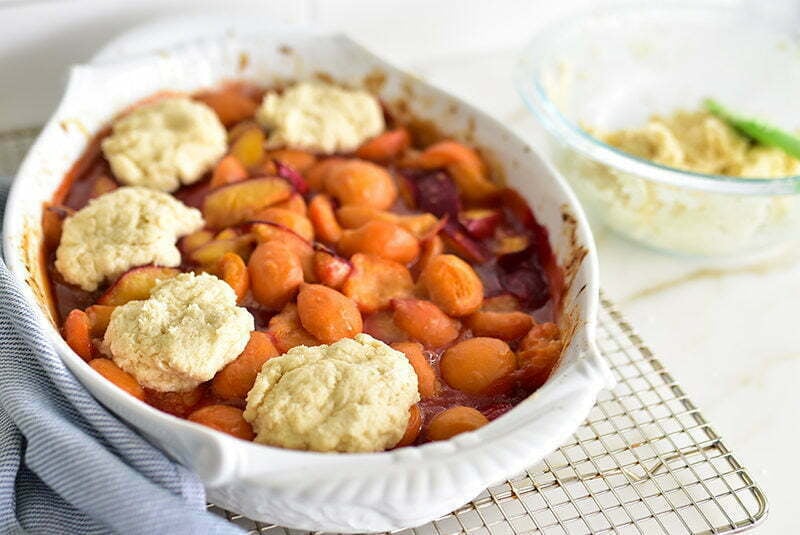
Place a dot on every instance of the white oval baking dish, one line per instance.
(314, 491)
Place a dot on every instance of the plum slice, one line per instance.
(456, 238)
(291, 175)
(480, 223)
(135, 284)
(236, 203)
(520, 275)
(437, 193)
(211, 252)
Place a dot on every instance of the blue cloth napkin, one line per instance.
(67, 465)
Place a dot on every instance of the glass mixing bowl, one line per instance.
(614, 68)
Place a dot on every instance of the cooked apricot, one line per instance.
(503, 325)
(233, 270)
(327, 314)
(266, 232)
(226, 234)
(104, 184)
(77, 332)
(230, 106)
(240, 128)
(464, 166)
(235, 380)
(540, 332)
(248, 148)
(322, 216)
(429, 248)
(538, 361)
(196, 239)
(413, 427)
(426, 377)
(474, 364)
(354, 216)
(545, 351)
(287, 332)
(52, 221)
(380, 238)
(330, 269)
(501, 303)
(295, 222)
(385, 146)
(177, 403)
(363, 183)
(275, 274)
(452, 284)
(224, 418)
(99, 316)
(381, 325)
(454, 421)
(300, 160)
(420, 225)
(317, 174)
(425, 322)
(116, 375)
(227, 171)
(294, 203)
(267, 167)
(375, 281)
(236, 203)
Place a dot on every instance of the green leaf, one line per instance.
(756, 130)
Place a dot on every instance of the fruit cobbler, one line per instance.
(298, 267)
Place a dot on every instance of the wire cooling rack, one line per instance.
(645, 460)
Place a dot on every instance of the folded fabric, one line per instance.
(67, 465)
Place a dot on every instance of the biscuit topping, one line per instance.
(350, 396)
(187, 331)
(165, 144)
(128, 227)
(320, 117)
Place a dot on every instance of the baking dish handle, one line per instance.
(598, 366)
(205, 452)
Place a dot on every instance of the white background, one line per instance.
(730, 332)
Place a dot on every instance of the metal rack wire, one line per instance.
(645, 460)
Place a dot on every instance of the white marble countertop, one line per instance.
(728, 331)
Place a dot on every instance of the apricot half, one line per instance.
(327, 314)
(454, 421)
(375, 281)
(474, 364)
(452, 284)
